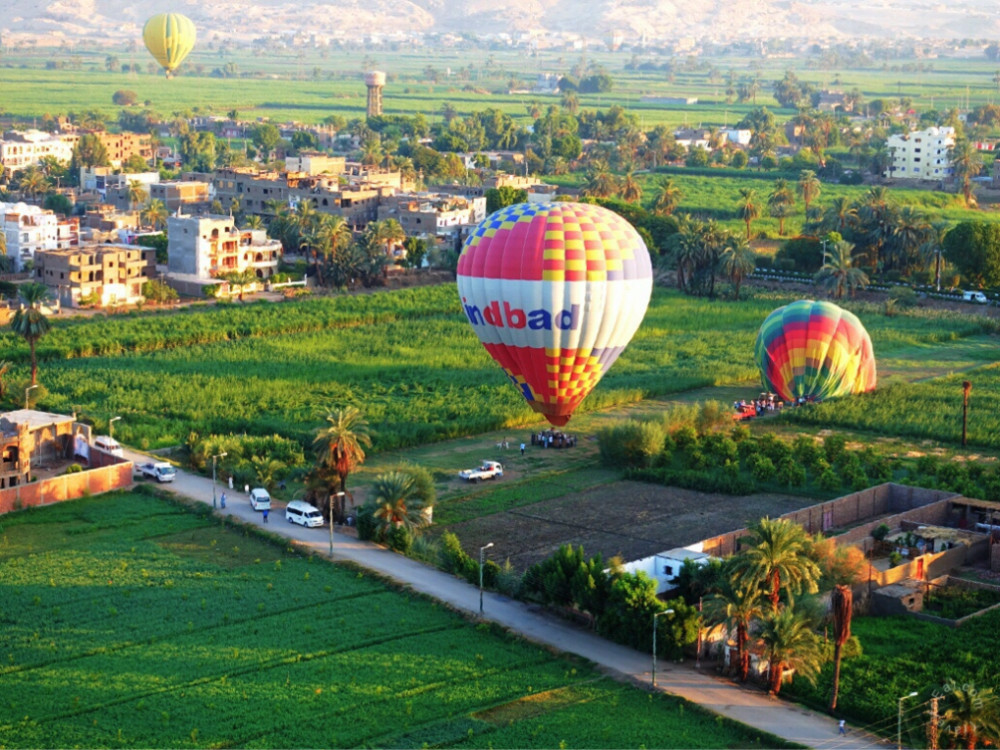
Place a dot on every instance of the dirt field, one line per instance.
(631, 519)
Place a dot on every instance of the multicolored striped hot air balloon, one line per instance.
(555, 292)
(169, 37)
(814, 350)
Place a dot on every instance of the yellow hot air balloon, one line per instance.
(169, 37)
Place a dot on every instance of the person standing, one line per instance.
(522, 449)
(223, 499)
(230, 481)
(842, 726)
(265, 515)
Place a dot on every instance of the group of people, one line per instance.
(762, 404)
(553, 439)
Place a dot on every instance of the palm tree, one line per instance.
(32, 183)
(4, 368)
(342, 444)
(840, 215)
(396, 500)
(877, 220)
(241, 279)
(809, 187)
(154, 214)
(933, 247)
(137, 193)
(600, 182)
(973, 715)
(736, 606)
(789, 643)
(839, 273)
(737, 261)
(253, 221)
(748, 207)
(777, 559)
(780, 203)
(267, 471)
(967, 162)
(630, 190)
(911, 231)
(668, 197)
(841, 601)
(29, 322)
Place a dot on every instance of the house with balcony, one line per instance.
(31, 438)
(202, 250)
(921, 154)
(29, 229)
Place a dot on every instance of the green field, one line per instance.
(133, 622)
(407, 359)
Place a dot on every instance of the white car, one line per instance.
(158, 470)
(489, 470)
(260, 499)
(301, 512)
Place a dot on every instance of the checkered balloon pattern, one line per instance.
(816, 351)
(555, 292)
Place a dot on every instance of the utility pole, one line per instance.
(932, 727)
(966, 387)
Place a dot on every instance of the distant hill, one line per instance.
(49, 21)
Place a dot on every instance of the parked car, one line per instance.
(301, 512)
(488, 470)
(260, 499)
(974, 297)
(109, 444)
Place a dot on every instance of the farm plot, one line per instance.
(133, 622)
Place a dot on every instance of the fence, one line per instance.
(66, 487)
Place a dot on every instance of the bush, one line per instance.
(399, 538)
(368, 526)
(880, 532)
(455, 560)
(631, 444)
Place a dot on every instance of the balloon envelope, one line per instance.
(169, 37)
(814, 350)
(555, 292)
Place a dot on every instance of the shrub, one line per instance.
(762, 468)
(400, 538)
(455, 560)
(630, 444)
(880, 532)
(368, 525)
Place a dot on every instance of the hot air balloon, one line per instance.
(814, 350)
(554, 291)
(169, 37)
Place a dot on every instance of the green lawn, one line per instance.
(133, 622)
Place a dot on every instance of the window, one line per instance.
(668, 570)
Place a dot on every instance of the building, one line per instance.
(103, 180)
(20, 149)
(122, 146)
(31, 437)
(374, 82)
(432, 214)
(314, 163)
(182, 194)
(921, 155)
(100, 275)
(28, 229)
(208, 247)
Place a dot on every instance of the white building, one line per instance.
(921, 155)
(28, 229)
(665, 567)
(103, 179)
(20, 149)
(432, 214)
(209, 247)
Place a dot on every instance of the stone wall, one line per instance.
(67, 487)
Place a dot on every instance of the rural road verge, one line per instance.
(749, 706)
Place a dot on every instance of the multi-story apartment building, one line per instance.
(314, 162)
(182, 194)
(102, 275)
(21, 149)
(208, 247)
(122, 146)
(432, 214)
(28, 229)
(921, 155)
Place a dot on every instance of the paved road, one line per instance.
(794, 723)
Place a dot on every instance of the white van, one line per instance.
(299, 511)
(974, 297)
(109, 445)
(260, 499)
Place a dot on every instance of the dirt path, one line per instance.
(793, 723)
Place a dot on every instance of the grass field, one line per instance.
(133, 622)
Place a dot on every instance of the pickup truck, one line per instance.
(158, 470)
(489, 470)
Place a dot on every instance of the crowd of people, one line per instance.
(553, 439)
(766, 402)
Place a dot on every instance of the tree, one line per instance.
(789, 643)
(416, 252)
(668, 197)
(600, 182)
(4, 369)
(158, 292)
(973, 247)
(154, 214)
(972, 715)
(809, 187)
(737, 260)
(241, 279)
(748, 207)
(396, 501)
(967, 162)
(737, 605)
(197, 150)
(501, 197)
(630, 190)
(28, 321)
(841, 602)
(88, 152)
(776, 559)
(124, 98)
(32, 183)
(780, 203)
(341, 445)
(137, 193)
(838, 271)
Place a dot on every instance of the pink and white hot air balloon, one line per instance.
(555, 292)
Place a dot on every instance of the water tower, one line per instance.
(374, 80)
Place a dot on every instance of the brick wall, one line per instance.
(67, 487)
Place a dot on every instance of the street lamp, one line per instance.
(26, 392)
(655, 615)
(482, 561)
(340, 496)
(899, 724)
(216, 456)
(111, 426)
